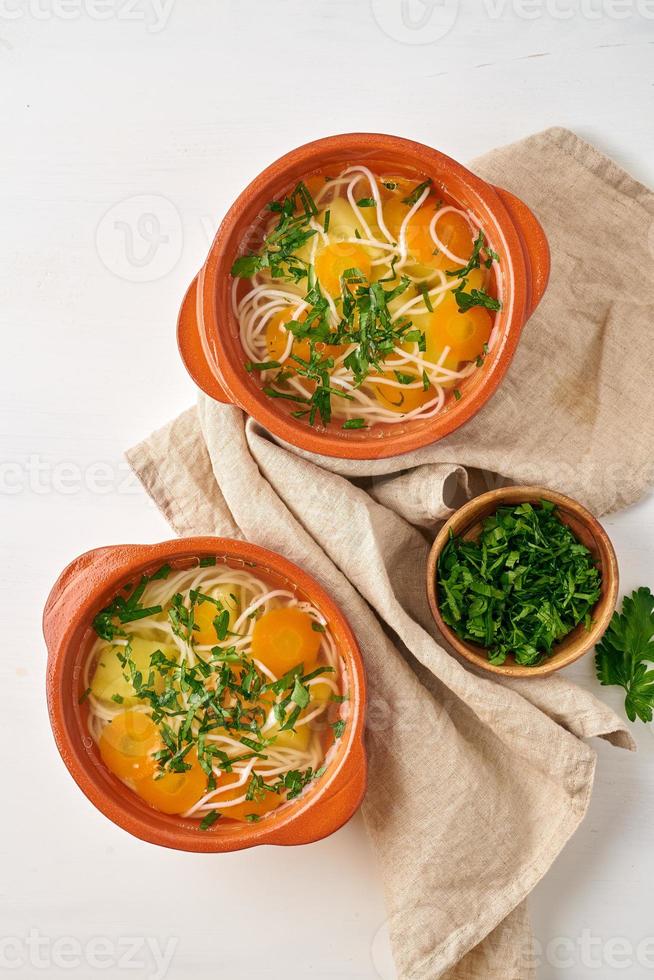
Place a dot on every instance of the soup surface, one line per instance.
(212, 694)
(370, 299)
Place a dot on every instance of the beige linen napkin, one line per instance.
(475, 785)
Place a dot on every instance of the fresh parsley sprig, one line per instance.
(626, 649)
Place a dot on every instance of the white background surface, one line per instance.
(103, 102)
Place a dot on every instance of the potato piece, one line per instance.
(109, 677)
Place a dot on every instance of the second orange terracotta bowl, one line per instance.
(83, 589)
(208, 333)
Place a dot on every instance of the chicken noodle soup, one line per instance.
(370, 299)
(212, 694)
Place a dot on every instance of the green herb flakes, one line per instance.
(338, 728)
(520, 587)
(476, 297)
(417, 193)
(209, 820)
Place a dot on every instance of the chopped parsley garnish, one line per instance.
(209, 820)
(261, 365)
(424, 290)
(317, 369)
(161, 573)
(289, 235)
(368, 323)
(125, 609)
(522, 586)
(416, 337)
(476, 297)
(255, 790)
(300, 694)
(294, 781)
(475, 260)
(417, 193)
(626, 649)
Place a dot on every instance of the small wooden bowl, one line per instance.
(466, 523)
(83, 589)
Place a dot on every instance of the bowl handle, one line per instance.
(342, 802)
(75, 582)
(534, 243)
(191, 349)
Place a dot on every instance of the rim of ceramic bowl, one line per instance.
(84, 587)
(489, 204)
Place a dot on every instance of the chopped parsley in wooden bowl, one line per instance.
(522, 581)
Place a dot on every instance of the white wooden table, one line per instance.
(121, 108)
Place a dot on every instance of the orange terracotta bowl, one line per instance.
(208, 333)
(466, 522)
(83, 589)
